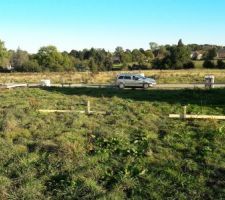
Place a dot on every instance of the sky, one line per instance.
(78, 24)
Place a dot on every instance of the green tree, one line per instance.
(4, 55)
(153, 46)
(161, 52)
(75, 54)
(220, 64)
(156, 49)
(19, 58)
(180, 43)
(138, 57)
(149, 55)
(208, 64)
(178, 57)
(50, 59)
(126, 58)
(99, 57)
(30, 66)
(211, 54)
(92, 65)
(108, 63)
(119, 53)
(68, 62)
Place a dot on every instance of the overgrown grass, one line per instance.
(162, 76)
(198, 64)
(133, 152)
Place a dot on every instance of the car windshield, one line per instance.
(140, 76)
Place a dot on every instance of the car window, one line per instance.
(135, 78)
(120, 77)
(127, 77)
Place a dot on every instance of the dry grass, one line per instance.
(165, 76)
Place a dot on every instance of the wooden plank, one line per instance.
(87, 111)
(73, 111)
(197, 116)
(97, 112)
(61, 111)
(15, 85)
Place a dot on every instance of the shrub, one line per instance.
(220, 64)
(189, 65)
(138, 67)
(158, 64)
(209, 64)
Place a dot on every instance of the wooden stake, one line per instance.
(185, 112)
(88, 107)
(185, 116)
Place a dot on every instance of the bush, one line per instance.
(220, 64)
(189, 65)
(138, 67)
(30, 66)
(158, 64)
(209, 64)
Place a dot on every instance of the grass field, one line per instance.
(165, 76)
(133, 152)
(198, 64)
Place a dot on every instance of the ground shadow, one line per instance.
(214, 97)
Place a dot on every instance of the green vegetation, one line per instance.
(176, 57)
(212, 64)
(49, 59)
(198, 64)
(4, 55)
(133, 152)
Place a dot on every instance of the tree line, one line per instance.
(156, 57)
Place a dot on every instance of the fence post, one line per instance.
(185, 112)
(88, 107)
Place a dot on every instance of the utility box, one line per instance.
(209, 81)
(45, 83)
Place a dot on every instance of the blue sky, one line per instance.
(78, 24)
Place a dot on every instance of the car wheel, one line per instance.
(145, 86)
(121, 86)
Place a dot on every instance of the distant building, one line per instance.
(116, 60)
(6, 69)
(197, 55)
(221, 54)
(10, 68)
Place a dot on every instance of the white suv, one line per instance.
(134, 80)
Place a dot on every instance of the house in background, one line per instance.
(221, 54)
(10, 68)
(7, 69)
(197, 55)
(116, 60)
